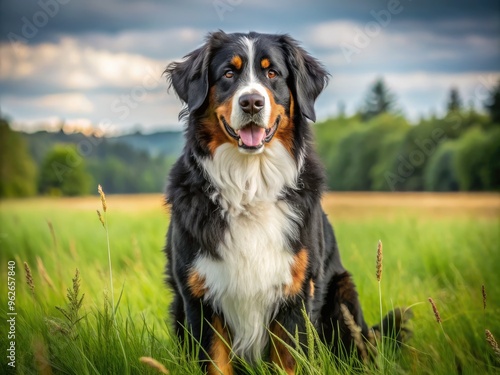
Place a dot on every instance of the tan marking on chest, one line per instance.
(298, 271)
(196, 283)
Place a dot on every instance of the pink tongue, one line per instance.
(252, 135)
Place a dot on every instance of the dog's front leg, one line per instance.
(289, 323)
(207, 327)
(219, 349)
(209, 330)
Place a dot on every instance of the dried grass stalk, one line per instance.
(103, 197)
(483, 291)
(436, 311)
(380, 257)
(355, 331)
(151, 362)
(493, 343)
(101, 219)
(29, 278)
(52, 233)
(373, 337)
(43, 272)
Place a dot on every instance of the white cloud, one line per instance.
(72, 80)
(117, 77)
(116, 113)
(172, 43)
(69, 65)
(51, 123)
(71, 102)
(345, 42)
(330, 34)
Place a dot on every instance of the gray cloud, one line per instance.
(90, 53)
(113, 16)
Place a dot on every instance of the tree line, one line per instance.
(73, 165)
(376, 149)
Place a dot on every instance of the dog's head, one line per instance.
(248, 89)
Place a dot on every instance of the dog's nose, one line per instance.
(251, 103)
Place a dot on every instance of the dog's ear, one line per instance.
(308, 76)
(189, 78)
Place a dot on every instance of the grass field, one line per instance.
(440, 246)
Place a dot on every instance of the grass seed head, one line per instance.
(76, 282)
(106, 302)
(380, 257)
(56, 327)
(72, 311)
(103, 197)
(43, 272)
(373, 337)
(151, 362)
(436, 311)
(101, 219)
(355, 331)
(29, 278)
(493, 343)
(52, 233)
(483, 291)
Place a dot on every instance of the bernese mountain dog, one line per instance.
(250, 253)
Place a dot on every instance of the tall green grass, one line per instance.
(447, 258)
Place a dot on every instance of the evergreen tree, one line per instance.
(378, 100)
(440, 173)
(493, 104)
(17, 168)
(454, 103)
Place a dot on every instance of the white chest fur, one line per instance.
(247, 283)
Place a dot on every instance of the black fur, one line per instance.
(197, 225)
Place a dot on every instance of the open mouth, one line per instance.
(252, 136)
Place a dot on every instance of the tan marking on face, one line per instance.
(219, 350)
(237, 62)
(311, 288)
(280, 355)
(212, 128)
(224, 110)
(285, 127)
(196, 284)
(298, 270)
(265, 63)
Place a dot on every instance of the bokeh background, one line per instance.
(408, 130)
(74, 71)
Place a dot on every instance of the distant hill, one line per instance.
(168, 144)
(164, 143)
(133, 163)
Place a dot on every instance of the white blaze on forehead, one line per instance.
(249, 46)
(250, 84)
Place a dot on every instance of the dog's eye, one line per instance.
(229, 74)
(272, 73)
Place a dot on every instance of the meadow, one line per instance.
(444, 246)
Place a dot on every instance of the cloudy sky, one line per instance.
(99, 63)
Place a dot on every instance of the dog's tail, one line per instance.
(394, 326)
